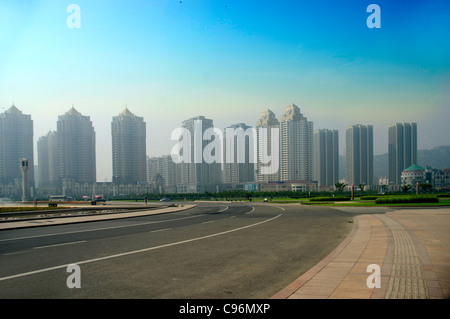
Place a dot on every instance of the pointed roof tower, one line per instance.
(126, 112)
(73, 111)
(13, 110)
(291, 112)
(267, 118)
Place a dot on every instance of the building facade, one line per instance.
(165, 172)
(412, 175)
(296, 147)
(290, 186)
(268, 147)
(128, 133)
(326, 157)
(239, 154)
(359, 155)
(441, 179)
(196, 173)
(48, 160)
(438, 178)
(402, 149)
(76, 147)
(16, 142)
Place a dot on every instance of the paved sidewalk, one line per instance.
(410, 246)
(89, 218)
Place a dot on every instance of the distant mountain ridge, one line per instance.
(438, 157)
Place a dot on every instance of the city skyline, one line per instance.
(169, 61)
(74, 111)
(75, 130)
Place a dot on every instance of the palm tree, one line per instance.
(405, 188)
(426, 187)
(361, 186)
(340, 186)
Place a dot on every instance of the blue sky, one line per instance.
(228, 60)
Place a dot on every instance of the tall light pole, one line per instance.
(24, 168)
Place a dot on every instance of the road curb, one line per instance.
(303, 279)
(89, 218)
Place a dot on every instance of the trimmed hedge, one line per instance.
(329, 199)
(368, 197)
(407, 199)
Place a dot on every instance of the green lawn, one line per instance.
(442, 202)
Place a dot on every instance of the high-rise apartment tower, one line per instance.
(326, 157)
(239, 154)
(268, 147)
(402, 149)
(16, 142)
(128, 133)
(76, 147)
(359, 154)
(296, 148)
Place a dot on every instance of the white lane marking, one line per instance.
(137, 251)
(158, 230)
(222, 210)
(279, 207)
(253, 208)
(96, 229)
(40, 247)
(62, 244)
(233, 217)
(17, 252)
(209, 221)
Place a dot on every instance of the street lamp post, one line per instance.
(24, 168)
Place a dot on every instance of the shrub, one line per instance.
(329, 199)
(368, 197)
(407, 199)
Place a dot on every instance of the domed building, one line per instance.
(413, 175)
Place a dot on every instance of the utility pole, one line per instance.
(24, 168)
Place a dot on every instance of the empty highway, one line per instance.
(214, 250)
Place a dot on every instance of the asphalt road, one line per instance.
(232, 250)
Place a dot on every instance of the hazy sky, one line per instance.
(228, 60)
